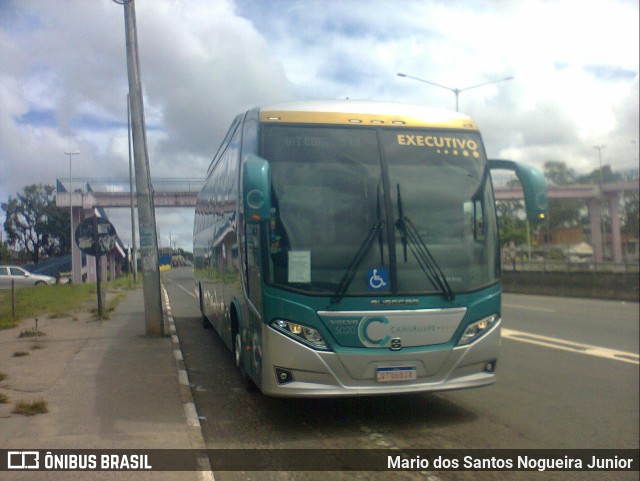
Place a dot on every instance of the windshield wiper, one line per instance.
(419, 249)
(348, 276)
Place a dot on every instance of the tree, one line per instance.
(558, 173)
(511, 222)
(5, 254)
(34, 224)
(630, 215)
(562, 212)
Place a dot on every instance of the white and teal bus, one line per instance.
(351, 248)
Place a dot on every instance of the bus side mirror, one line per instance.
(256, 190)
(534, 188)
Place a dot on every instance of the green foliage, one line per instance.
(55, 301)
(31, 408)
(565, 213)
(35, 224)
(630, 214)
(5, 255)
(558, 173)
(52, 301)
(570, 213)
(511, 222)
(562, 212)
(603, 175)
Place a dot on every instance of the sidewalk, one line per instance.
(107, 386)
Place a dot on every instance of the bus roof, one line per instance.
(364, 112)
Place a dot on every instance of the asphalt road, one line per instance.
(568, 379)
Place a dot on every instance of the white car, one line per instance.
(22, 277)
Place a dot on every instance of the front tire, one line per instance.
(205, 322)
(238, 354)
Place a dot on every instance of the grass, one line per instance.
(3, 376)
(31, 332)
(20, 354)
(3, 398)
(31, 408)
(51, 301)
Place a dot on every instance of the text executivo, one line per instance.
(442, 143)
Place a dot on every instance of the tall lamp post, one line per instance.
(456, 91)
(599, 149)
(71, 154)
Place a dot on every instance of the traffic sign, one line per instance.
(96, 235)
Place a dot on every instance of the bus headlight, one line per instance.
(304, 334)
(477, 329)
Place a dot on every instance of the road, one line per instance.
(568, 378)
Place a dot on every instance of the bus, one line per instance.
(350, 248)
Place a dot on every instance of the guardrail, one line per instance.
(543, 265)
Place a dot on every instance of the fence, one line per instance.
(611, 281)
(544, 265)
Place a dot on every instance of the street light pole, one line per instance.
(599, 149)
(71, 239)
(456, 91)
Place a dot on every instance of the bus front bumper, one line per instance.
(291, 369)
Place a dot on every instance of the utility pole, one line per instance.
(134, 249)
(144, 191)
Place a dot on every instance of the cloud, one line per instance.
(63, 78)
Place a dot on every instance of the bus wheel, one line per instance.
(205, 322)
(237, 351)
(237, 354)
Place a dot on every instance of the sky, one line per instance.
(63, 78)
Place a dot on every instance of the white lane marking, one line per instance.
(528, 308)
(565, 345)
(181, 287)
(190, 412)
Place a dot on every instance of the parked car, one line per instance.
(22, 277)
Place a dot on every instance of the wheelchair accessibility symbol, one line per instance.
(378, 279)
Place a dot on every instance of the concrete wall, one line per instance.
(601, 285)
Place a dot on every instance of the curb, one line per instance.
(190, 413)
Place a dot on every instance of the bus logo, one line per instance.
(396, 344)
(369, 330)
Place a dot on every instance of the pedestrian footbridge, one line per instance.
(85, 196)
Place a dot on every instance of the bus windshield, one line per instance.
(353, 208)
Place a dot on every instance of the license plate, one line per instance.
(399, 373)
